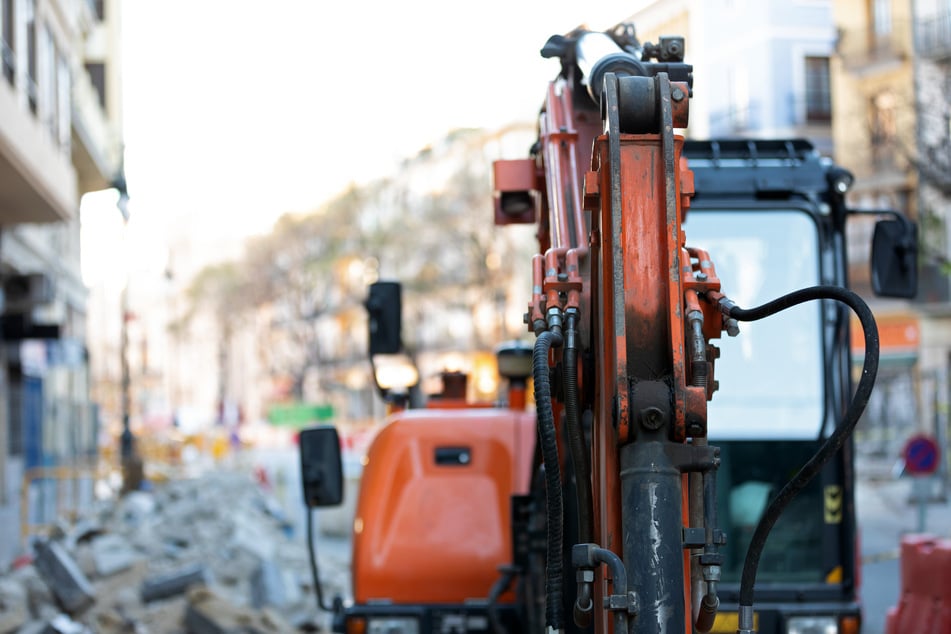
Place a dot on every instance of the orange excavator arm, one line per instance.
(614, 283)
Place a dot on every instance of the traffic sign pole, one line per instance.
(922, 457)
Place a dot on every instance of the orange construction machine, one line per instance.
(639, 493)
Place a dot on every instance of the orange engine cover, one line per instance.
(432, 519)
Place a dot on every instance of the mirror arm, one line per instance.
(900, 217)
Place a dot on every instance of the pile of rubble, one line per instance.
(210, 555)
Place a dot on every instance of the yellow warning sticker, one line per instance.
(729, 623)
(833, 504)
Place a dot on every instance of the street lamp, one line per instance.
(131, 468)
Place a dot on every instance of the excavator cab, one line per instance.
(773, 215)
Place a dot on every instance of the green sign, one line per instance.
(299, 414)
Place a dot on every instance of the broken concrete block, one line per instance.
(40, 600)
(209, 613)
(234, 566)
(252, 536)
(62, 624)
(84, 530)
(173, 583)
(267, 585)
(13, 605)
(82, 553)
(34, 627)
(113, 622)
(63, 576)
(111, 554)
(137, 507)
(120, 591)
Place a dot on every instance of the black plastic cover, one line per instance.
(321, 466)
(895, 259)
(384, 305)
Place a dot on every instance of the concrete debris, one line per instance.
(62, 624)
(62, 574)
(173, 583)
(83, 531)
(271, 585)
(111, 554)
(212, 554)
(14, 609)
(209, 613)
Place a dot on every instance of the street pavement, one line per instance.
(221, 519)
(884, 506)
(886, 511)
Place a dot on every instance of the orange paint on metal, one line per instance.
(446, 532)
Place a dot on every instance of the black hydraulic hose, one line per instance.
(838, 437)
(313, 563)
(578, 449)
(549, 444)
(498, 588)
(576, 442)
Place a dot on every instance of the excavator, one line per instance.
(691, 378)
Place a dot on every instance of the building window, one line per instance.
(6, 41)
(64, 91)
(818, 93)
(99, 6)
(46, 80)
(97, 75)
(881, 17)
(30, 20)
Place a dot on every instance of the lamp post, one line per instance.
(131, 465)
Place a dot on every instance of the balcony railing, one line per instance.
(933, 36)
(859, 48)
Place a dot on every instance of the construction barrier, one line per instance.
(924, 602)
(48, 494)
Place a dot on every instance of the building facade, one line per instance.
(60, 137)
(888, 113)
(761, 69)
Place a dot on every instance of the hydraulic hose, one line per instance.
(548, 441)
(832, 444)
(498, 588)
(581, 461)
(576, 442)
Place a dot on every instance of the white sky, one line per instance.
(236, 111)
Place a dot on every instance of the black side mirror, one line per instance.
(895, 258)
(320, 466)
(384, 307)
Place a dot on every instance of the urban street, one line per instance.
(223, 544)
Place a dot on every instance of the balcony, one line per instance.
(95, 145)
(37, 180)
(865, 51)
(933, 37)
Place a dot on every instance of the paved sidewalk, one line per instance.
(886, 511)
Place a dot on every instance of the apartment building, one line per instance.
(761, 68)
(846, 75)
(60, 138)
(931, 25)
(932, 80)
(887, 124)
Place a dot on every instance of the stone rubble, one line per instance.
(209, 555)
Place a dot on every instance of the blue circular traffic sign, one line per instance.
(921, 455)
